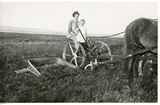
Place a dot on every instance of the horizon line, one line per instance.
(14, 29)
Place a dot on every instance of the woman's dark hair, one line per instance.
(74, 13)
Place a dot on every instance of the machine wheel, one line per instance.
(102, 51)
(71, 55)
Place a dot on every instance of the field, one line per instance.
(59, 83)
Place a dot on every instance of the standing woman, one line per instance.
(73, 28)
(82, 35)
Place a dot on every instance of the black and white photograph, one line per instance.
(78, 52)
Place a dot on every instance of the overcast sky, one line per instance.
(101, 17)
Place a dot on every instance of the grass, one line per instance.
(106, 83)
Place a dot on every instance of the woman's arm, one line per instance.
(86, 31)
(75, 29)
(72, 30)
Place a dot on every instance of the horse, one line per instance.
(141, 36)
